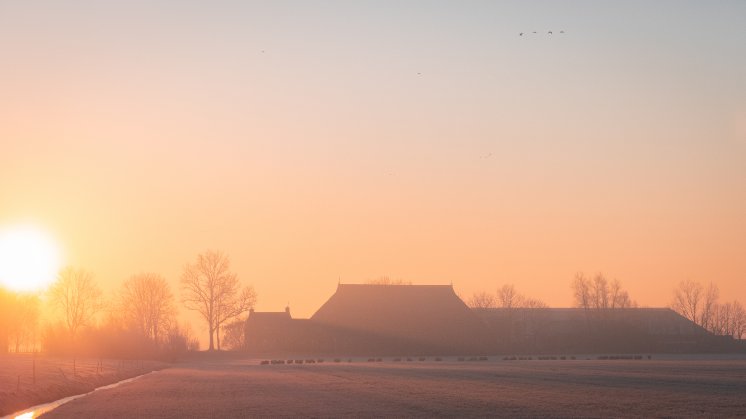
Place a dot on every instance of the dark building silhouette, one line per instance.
(541, 330)
(432, 319)
(378, 319)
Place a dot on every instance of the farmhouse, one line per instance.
(431, 319)
(374, 319)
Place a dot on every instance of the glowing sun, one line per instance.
(29, 258)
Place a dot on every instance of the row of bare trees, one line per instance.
(598, 293)
(505, 297)
(699, 303)
(143, 307)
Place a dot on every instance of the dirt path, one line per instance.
(495, 388)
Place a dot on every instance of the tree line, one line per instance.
(140, 319)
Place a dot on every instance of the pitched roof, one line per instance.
(269, 316)
(652, 320)
(423, 313)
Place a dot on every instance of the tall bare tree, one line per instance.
(599, 294)
(25, 310)
(581, 287)
(695, 302)
(687, 300)
(146, 302)
(76, 294)
(709, 305)
(738, 320)
(508, 297)
(210, 288)
(482, 299)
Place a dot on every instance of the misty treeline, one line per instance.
(139, 319)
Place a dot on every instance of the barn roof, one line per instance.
(424, 313)
(269, 316)
(653, 320)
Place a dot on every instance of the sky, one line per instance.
(324, 141)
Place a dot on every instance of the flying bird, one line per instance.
(550, 32)
(520, 34)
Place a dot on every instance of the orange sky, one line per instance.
(428, 142)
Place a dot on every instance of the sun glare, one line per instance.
(29, 258)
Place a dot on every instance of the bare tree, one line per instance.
(697, 303)
(146, 302)
(78, 297)
(599, 294)
(728, 319)
(708, 305)
(210, 288)
(508, 297)
(581, 287)
(687, 300)
(738, 320)
(235, 335)
(482, 299)
(619, 298)
(533, 303)
(25, 310)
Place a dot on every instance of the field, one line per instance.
(549, 388)
(27, 380)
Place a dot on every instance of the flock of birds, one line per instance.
(548, 33)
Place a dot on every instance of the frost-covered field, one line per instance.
(27, 380)
(673, 387)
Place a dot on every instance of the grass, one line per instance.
(671, 387)
(27, 380)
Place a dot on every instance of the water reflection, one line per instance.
(36, 411)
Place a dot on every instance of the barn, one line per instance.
(367, 319)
